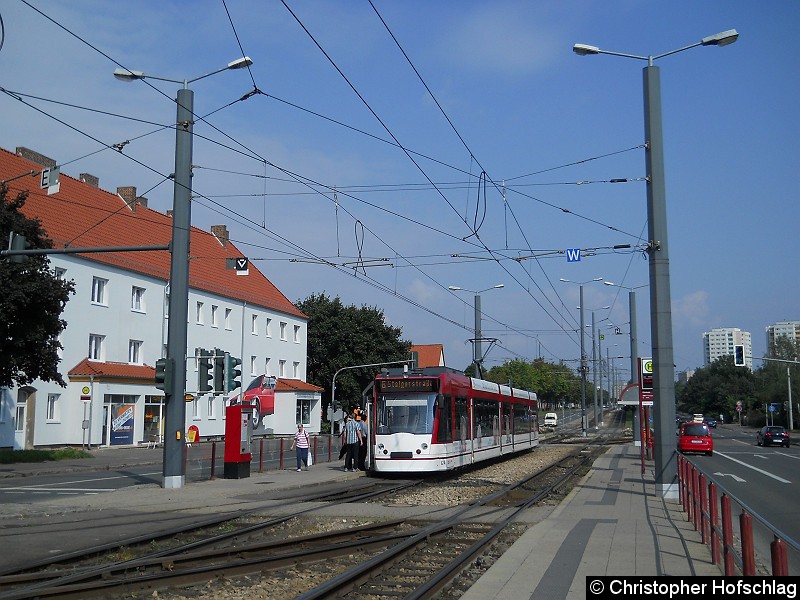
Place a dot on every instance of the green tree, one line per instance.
(551, 382)
(716, 389)
(345, 336)
(31, 303)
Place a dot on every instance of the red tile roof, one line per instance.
(112, 370)
(429, 355)
(81, 215)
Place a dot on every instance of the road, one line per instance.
(44, 487)
(765, 479)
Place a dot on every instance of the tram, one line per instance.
(438, 419)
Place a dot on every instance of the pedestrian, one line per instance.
(362, 451)
(343, 438)
(301, 442)
(352, 432)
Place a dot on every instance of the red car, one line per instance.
(695, 437)
(260, 394)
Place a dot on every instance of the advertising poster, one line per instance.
(122, 424)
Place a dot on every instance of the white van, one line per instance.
(697, 418)
(551, 420)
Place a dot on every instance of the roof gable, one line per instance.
(83, 216)
(429, 355)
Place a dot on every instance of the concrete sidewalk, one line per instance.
(612, 523)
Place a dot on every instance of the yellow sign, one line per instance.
(85, 390)
(647, 366)
(189, 397)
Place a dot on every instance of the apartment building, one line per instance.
(721, 341)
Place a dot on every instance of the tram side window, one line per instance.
(445, 431)
(522, 421)
(462, 419)
(485, 417)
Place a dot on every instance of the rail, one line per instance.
(708, 506)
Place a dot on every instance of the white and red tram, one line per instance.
(438, 419)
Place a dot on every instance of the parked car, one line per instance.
(772, 435)
(695, 437)
(551, 420)
(710, 421)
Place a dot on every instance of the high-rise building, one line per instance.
(790, 329)
(720, 341)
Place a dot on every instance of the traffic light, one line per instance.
(738, 356)
(219, 370)
(18, 242)
(204, 375)
(165, 368)
(233, 373)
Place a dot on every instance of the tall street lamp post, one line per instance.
(666, 472)
(595, 352)
(477, 352)
(175, 414)
(584, 367)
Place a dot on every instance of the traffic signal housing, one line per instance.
(165, 369)
(738, 356)
(233, 373)
(219, 370)
(205, 376)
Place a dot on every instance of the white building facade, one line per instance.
(789, 329)
(117, 328)
(721, 341)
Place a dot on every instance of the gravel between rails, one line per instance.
(291, 583)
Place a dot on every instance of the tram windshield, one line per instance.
(405, 413)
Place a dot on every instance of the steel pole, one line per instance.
(666, 472)
(584, 424)
(477, 350)
(594, 367)
(175, 415)
(637, 438)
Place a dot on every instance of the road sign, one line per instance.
(573, 255)
(739, 407)
(49, 180)
(86, 398)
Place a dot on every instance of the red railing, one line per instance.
(711, 516)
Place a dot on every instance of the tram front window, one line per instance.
(401, 413)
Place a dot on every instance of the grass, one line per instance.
(31, 456)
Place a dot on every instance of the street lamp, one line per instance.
(175, 415)
(666, 472)
(477, 354)
(584, 423)
(596, 351)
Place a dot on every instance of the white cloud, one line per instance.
(693, 309)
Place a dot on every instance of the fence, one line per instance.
(206, 460)
(710, 508)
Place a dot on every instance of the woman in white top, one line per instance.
(301, 442)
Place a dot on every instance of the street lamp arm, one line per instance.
(130, 75)
(380, 364)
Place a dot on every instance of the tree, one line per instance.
(716, 389)
(551, 382)
(345, 336)
(31, 303)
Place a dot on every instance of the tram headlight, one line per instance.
(419, 451)
(380, 446)
(424, 446)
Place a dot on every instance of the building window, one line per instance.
(228, 319)
(99, 291)
(296, 370)
(53, 414)
(19, 419)
(283, 331)
(214, 316)
(196, 409)
(297, 334)
(60, 273)
(282, 368)
(137, 299)
(267, 330)
(96, 346)
(254, 325)
(135, 352)
(303, 414)
(211, 407)
(253, 365)
(266, 366)
(199, 313)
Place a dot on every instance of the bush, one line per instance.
(31, 456)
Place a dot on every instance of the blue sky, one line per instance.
(490, 87)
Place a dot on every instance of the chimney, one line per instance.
(169, 212)
(90, 179)
(39, 159)
(221, 233)
(128, 194)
